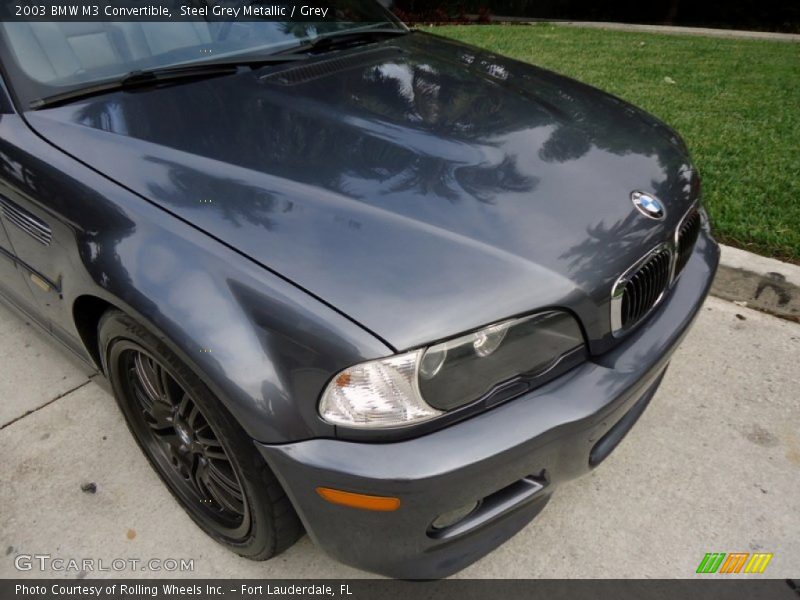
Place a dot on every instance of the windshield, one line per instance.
(46, 58)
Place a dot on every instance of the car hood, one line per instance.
(420, 186)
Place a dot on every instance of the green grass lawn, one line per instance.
(735, 102)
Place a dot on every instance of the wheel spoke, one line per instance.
(207, 440)
(224, 481)
(141, 395)
(215, 454)
(211, 447)
(185, 405)
(169, 389)
(158, 417)
(205, 434)
(144, 373)
(194, 413)
(223, 501)
(226, 498)
(214, 451)
(154, 381)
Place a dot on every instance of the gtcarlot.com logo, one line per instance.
(47, 562)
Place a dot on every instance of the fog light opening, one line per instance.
(452, 517)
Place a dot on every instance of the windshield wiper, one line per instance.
(343, 38)
(151, 77)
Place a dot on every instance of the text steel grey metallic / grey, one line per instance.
(270, 234)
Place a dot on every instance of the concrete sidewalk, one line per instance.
(713, 465)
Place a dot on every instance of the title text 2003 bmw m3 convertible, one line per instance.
(345, 276)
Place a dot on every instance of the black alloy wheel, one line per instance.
(183, 443)
(197, 447)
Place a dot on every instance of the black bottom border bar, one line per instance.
(377, 589)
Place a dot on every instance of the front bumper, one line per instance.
(511, 457)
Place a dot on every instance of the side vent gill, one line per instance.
(325, 68)
(33, 226)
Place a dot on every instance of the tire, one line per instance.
(195, 445)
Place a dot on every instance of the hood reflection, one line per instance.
(331, 171)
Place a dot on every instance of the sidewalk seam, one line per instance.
(46, 404)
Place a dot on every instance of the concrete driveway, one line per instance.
(712, 466)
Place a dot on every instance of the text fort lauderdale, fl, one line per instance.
(254, 11)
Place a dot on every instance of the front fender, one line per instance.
(265, 347)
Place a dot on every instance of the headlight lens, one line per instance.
(423, 384)
(380, 393)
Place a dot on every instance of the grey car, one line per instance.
(346, 277)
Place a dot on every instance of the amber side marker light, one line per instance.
(362, 501)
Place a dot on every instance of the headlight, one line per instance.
(424, 384)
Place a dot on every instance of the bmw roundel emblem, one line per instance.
(649, 205)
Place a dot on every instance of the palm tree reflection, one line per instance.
(437, 122)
